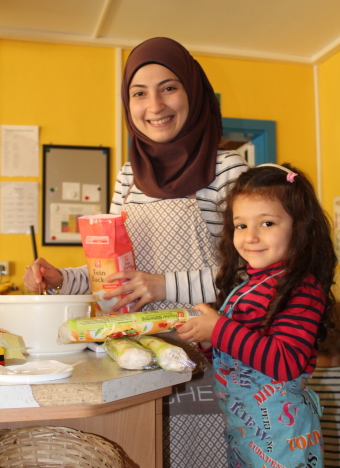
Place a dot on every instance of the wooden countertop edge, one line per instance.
(77, 411)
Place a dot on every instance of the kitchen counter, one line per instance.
(99, 397)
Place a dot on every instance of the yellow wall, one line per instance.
(69, 92)
(329, 78)
(270, 91)
(329, 95)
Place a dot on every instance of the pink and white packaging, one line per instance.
(108, 249)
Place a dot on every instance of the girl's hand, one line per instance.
(199, 328)
(143, 288)
(43, 273)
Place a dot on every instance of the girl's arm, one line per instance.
(289, 348)
(207, 352)
(199, 328)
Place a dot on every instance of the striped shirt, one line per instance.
(229, 165)
(181, 287)
(288, 349)
(194, 286)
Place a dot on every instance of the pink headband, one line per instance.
(290, 176)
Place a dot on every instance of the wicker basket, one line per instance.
(52, 446)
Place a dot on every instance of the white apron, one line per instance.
(171, 235)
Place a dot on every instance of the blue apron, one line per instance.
(268, 423)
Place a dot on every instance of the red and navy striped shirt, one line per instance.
(288, 348)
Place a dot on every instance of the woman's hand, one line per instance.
(43, 273)
(143, 288)
(199, 328)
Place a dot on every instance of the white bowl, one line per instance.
(38, 318)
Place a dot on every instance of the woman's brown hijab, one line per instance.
(187, 163)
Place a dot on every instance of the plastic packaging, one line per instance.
(108, 249)
(169, 357)
(129, 354)
(82, 330)
(11, 346)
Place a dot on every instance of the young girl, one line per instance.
(278, 261)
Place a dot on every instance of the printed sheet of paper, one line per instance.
(19, 207)
(20, 150)
(91, 193)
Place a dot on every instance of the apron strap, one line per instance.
(240, 286)
(231, 294)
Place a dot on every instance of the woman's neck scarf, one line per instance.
(187, 163)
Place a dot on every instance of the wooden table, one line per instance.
(99, 397)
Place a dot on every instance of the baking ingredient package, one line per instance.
(108, 249)
(80, 330)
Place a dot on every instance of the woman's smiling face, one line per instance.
(158, 103)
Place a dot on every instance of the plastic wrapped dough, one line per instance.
(87, 329)
(169, 357)
(129, 354)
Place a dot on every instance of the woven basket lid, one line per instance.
(55, 446)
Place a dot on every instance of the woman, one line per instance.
(169, 190)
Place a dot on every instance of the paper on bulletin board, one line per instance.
(19, 207)
(336, 208)
(71, 191)
(91, 193)
(64, 220)
(20, 150)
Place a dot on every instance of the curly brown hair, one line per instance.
(310, 250)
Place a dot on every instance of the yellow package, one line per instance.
(80, 330)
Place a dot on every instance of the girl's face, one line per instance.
(263, 230)
(158, 103)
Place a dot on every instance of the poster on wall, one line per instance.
(19, 150)
(19, 207)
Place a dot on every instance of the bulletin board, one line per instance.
(76, 182)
